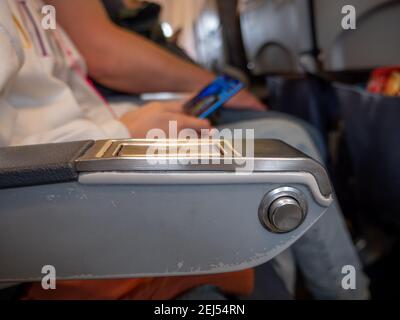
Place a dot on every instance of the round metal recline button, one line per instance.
(285, 214)
(283, 210)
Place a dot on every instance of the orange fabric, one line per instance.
(237, 283)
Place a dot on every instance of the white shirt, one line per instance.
(44, 92)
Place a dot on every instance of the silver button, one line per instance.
(283, 210)
(285, 214)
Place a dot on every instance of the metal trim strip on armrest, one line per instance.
(269, 156)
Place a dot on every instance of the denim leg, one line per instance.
(229, 117)
(322, 253)
(327, 247)
(285, 267)
(280, 128)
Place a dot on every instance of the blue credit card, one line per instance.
(211, 98)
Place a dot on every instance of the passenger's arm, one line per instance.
(126, 61)
(121, 59)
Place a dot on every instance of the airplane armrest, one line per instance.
(102, 210)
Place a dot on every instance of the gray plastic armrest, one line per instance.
(94, 211)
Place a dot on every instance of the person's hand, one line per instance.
(157, 115)
(244, 100)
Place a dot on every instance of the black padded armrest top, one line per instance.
(40, 164)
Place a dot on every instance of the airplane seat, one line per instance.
(372, 135)
(271, 37)
(107, 210)
(370, 129)
(375, 34)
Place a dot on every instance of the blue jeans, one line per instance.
(327, 247)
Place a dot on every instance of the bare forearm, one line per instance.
(141, 66)
(123, 60)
